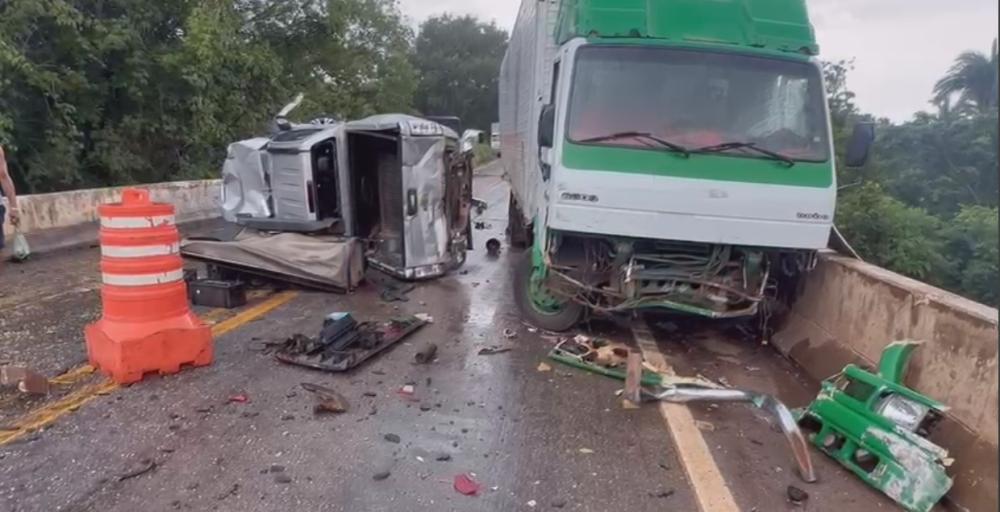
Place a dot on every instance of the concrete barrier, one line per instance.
(850, 310)
(66, 219)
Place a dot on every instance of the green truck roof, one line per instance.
(774, 24)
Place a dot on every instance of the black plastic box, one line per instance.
(217, 294)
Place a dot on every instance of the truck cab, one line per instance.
(673, 154)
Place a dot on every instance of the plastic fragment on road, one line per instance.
(465, 484)
(239, 399)
(877, 428)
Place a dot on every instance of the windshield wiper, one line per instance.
(726, 146)
(642, 135)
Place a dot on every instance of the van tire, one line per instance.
(563, 320)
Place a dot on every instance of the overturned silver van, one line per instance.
(401, 184)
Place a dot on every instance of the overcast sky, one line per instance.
(900, 47)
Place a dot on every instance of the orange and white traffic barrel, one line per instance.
(146, 324)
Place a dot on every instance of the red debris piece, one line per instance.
(466, 485)
(241, 399)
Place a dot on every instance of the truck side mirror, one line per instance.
(546, 126)
(859, 145)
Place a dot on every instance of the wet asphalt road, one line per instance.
(526, 434)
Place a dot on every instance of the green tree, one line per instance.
(973, 78)
(458, 61)
(973, 241)
(886, 232)
(107, 92)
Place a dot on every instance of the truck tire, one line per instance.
(518, 232)
(558, 320)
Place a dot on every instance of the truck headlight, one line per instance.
(901, 411)
(424, 128)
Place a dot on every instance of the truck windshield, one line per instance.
(699, 99)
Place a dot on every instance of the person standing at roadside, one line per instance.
(6, 192)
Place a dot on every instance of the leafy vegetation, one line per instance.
(458, 59)
(99, 92)
(926, 204)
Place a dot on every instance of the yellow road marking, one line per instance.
(49, 413)
(710, 489)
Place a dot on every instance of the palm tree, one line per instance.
(973, 77)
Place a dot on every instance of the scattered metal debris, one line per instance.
(26, 380)
(688, 393)
(876, 427)
(494, 349)
(586, 353)
(425, 354)
(327, 400)
(344, 343)
(144, 466)
(544, 367)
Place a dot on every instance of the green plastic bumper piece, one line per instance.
(869, 423)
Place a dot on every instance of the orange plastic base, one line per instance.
(164, 352)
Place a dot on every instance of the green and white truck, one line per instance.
(665, 154)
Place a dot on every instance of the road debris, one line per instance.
(493, 247)
(632, 396)
(797, 496)
(873, 422)
(239, 399)
(217, 294)
(531, 503)
(585, 451)
(381, 475)
(395, 291)
(344, 343)
(705, 426)
(544, 367)
(558, 503)
(442, 457)
(424, 317)
(144, 466)
(425, 354)
(662, 494)
(327, 400)
(27, 380)
(494, 349)
(407, 390)
(392, 438)
(509, 333)
(465, 484)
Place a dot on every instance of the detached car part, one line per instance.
(876, 427)
(605, 358)
(344, 343)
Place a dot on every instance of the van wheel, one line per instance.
(537, 306)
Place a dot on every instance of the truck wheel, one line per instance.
(515, 225)
(536, 306)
